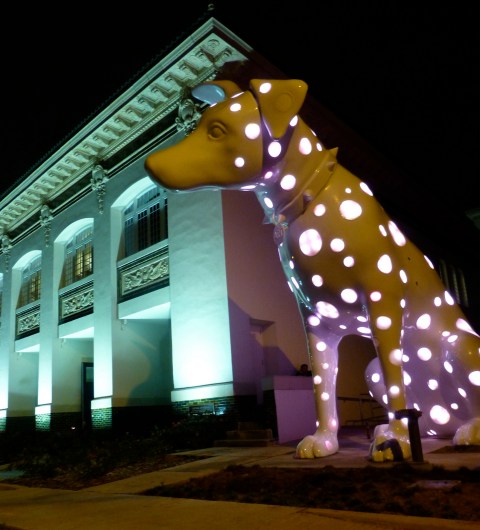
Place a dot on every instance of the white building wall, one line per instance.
(132, 355)
(67, 388)
(227, 320)
(141, 351)
(23, 381)
(23, 384)
(258, 291)
(143, 363)
(202, 362)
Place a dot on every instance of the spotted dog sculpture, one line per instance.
(348, 264)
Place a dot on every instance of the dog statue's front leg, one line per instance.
(324, 357)
(390, 441)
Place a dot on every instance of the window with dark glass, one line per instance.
(78, 256)
(145, 220)
(31, 282)
(454, 280)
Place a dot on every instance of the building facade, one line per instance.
(121, 302)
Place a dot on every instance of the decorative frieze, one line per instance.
(28, 321)
(76, 301)
(142, 274)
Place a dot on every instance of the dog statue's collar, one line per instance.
(284, 212)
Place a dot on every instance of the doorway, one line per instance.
(87, 395)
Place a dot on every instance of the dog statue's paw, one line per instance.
(468, 433)
(390, 444)
(317, 445)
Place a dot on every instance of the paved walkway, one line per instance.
(119, 505)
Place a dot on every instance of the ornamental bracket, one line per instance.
(98, 180)
(46, 221)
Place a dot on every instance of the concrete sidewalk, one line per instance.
(119, 505)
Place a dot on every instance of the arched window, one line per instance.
(78, 256)
(145, 220)
(31, 282)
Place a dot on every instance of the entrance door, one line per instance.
(87, 395)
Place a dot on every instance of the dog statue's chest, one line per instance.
(330, 252)
(341, 231)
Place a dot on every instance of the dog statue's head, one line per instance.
(226, 150)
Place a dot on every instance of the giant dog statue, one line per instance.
(350, 267)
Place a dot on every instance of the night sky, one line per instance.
(404, 76)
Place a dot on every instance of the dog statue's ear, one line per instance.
(215, 91)
(279, 101)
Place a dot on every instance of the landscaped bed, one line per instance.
(70, 461)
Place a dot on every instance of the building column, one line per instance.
(48, 339)
(6, 333)
(105, 298)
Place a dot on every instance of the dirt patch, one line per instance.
(402, 490)
(72, 480)
(459, 449)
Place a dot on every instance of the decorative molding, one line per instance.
(155, 95)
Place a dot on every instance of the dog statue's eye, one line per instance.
(216, 131)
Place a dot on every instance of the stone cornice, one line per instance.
(153, 96)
